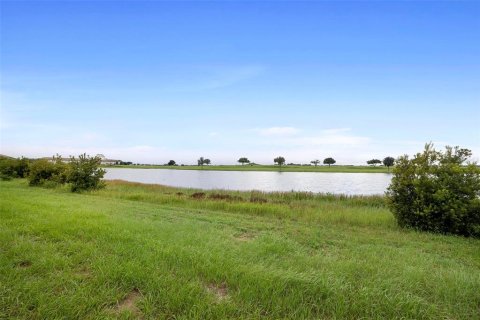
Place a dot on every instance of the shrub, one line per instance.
(85, 173)
(14, 168)
(7, 168)
(22, 167)
(44, 170)
(5, 177)
(437, 191)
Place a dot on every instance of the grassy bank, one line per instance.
(146, 251)
(347, 169)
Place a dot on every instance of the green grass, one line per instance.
(335, 168)
(145, 251)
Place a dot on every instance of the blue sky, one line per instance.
(158, 80)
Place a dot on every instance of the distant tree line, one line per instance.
(280, 161)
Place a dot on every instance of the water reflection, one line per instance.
(345, 183)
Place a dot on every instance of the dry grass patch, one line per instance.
(129, 304)
(219, 291)
(244, 236)
(83, 272)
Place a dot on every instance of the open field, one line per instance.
(155, 252)
(348, 169)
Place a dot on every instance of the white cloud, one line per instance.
(278, 131)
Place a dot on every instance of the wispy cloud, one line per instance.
(291, 136)
(278, 131)
(337, 136)
(335, 131)
(333, 140)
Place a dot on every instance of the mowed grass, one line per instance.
(258, 167)
(153, 252)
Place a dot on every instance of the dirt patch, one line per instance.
(258, 199)
(83, 272)
(23, 264)
(198, 195)
(244, 236)
(129, 304)
(220, 291)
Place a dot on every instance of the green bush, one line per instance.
(7, 168)
(45, 170)
(437, 191)
(85, 173)
(14, 168)
(82, 173)
(5, 177)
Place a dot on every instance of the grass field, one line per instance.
(348, 169)
(154, 252)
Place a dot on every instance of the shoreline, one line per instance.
(320, 169)
(245, 192)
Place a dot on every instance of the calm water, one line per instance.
(346, 183)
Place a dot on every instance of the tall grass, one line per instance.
(301, 206)
(143, 252)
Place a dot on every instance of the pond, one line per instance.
(324, 182)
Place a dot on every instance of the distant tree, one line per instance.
(374, 162)
(207, 161)
(201, 161)
(315, 162)
(388, 162)
(171, 163)
(329, 161)
(279, 160)
(243, 160)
